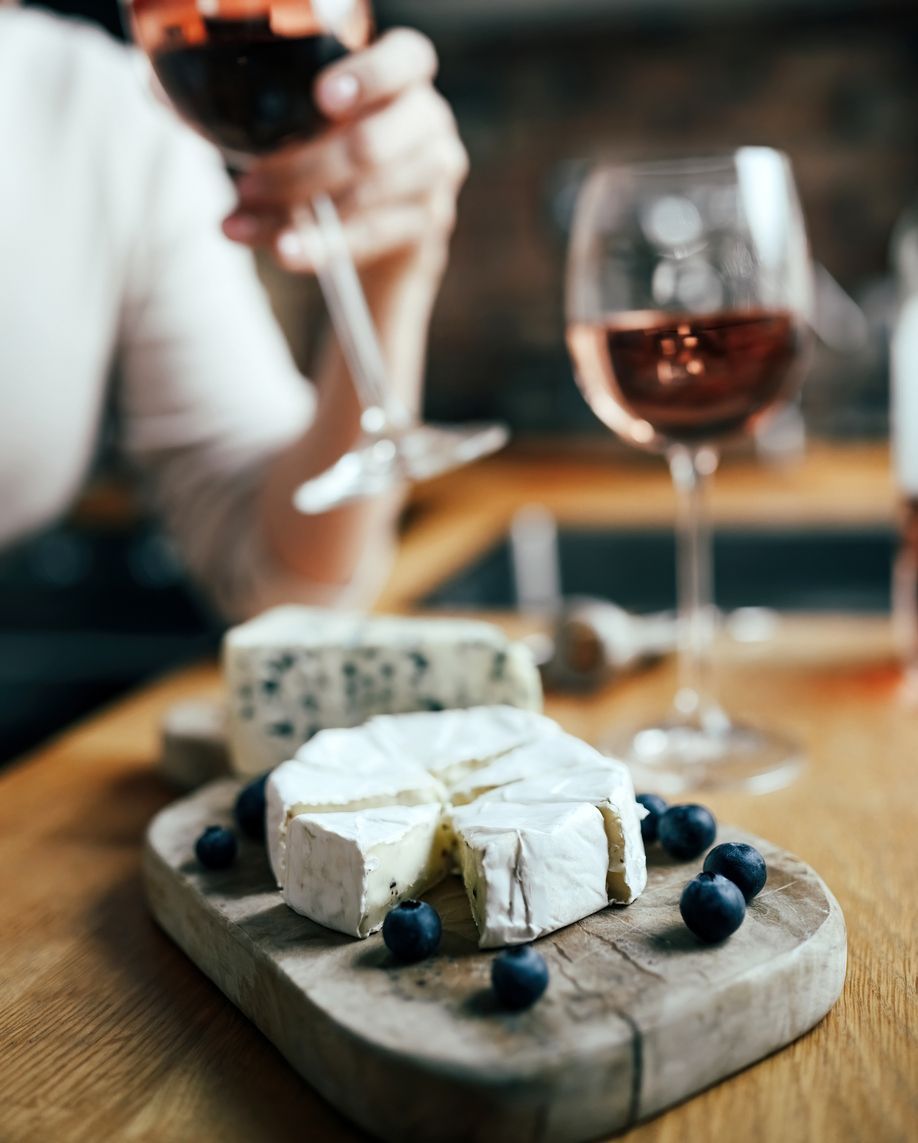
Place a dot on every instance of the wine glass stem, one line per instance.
(350, 316)
(695, 702)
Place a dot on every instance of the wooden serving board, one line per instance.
(638, 1014)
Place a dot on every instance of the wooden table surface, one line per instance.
(108, 1032)
(456, 515)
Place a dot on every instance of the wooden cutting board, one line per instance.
(638, 1014)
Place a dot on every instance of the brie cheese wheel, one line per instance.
(340, 770)
(347, 870)
(296, 670)
(530, 869)
(543, 829)
(609, 788)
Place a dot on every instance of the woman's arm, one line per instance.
(332, 548)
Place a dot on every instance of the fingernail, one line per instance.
(338, 92)
(293, 249)
(241, 227)
(298, 248)
(289, 246)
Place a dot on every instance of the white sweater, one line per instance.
(110, 246)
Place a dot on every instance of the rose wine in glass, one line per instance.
(688, 300)
(691, 378)
(241, 72)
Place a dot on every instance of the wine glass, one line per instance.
(688, 299)
(241, 73)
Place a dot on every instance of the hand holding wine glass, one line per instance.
(688, 298)
(322, 186)
(391, 161)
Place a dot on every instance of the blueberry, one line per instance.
(519, 976)
(740, 863)
(249, 809)
(712, 907)
(686, 831)
(412, 930)
(216, 848)
(655, 806)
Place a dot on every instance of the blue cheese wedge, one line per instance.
(530, 869)
(347, 870)
(295, 670)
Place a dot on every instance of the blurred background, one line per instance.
(539, 88)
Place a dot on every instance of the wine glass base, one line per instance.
(381, 464)
(674, 757)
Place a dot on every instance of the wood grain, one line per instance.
(638, 1014)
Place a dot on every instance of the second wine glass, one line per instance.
(241, 73)
(688, 298)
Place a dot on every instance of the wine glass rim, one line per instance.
(685, 164)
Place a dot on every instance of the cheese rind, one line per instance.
(530, 869)
(347, 870)
(543, 833)
(550, 755)
(609, 788)
(454, 743)
(340, 770)
(295, 670)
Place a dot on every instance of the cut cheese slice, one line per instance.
(610, 789)
(347, 870)
(530, 869)
(340, 770)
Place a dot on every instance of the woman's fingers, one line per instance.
(426, 181)
(376, 226)
(444, 163)
(392, 161)
(370, 235)
(349, 154)
(253, 229)
(397, 61)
